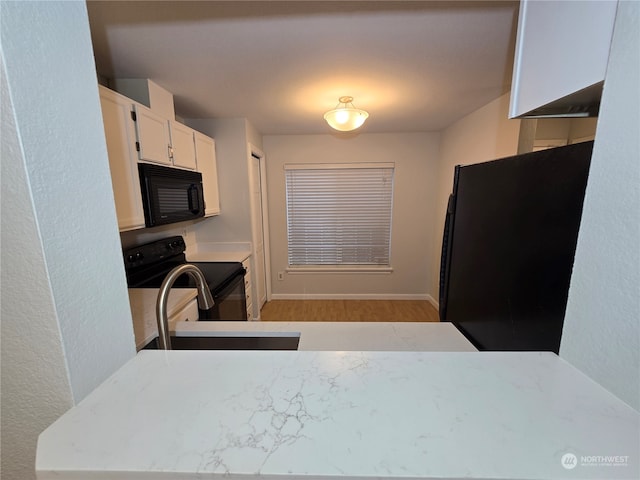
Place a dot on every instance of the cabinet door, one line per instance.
(152, 132)
(248, 290)
(189, 313)
(561, 48)
(182, 146)
(120, 138)
(206, 160)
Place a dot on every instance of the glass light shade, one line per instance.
(345, 117)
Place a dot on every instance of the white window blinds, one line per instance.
(339, 214)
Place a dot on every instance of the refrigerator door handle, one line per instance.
(445, 258)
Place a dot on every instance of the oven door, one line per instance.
(230, 302)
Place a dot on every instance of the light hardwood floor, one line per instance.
(349, 311)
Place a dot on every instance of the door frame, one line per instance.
(255, 152)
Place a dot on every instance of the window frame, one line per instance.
(387, 171)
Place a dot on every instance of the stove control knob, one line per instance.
(135, 257)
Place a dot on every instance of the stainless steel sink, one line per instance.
(231, 343)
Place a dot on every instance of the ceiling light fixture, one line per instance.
(345, 117)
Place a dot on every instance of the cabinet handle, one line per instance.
(170, 150)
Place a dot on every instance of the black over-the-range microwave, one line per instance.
(170, 195)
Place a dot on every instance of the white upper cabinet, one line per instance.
(182, 145)
(206, 165)
(163, 141)
(152, 134)
(562, 50)
(160, 138)
(135, 133)
(120, 136)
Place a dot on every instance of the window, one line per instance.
(339, 214)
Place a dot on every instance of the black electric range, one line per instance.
(147, 266)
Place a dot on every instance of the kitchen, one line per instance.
(81, 324)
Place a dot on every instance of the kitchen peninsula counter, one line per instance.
(311, 415)
(318, 336)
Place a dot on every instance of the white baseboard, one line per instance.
(353, 296)
(433, 302)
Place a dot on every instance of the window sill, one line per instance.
(334, 269)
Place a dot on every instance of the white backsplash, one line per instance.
(146, 235)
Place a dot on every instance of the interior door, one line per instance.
(257, 233)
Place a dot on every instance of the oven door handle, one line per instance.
(229, 285)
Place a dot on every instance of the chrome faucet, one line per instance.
(205, 299)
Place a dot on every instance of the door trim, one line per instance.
(255, 152)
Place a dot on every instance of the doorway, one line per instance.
(259, 231)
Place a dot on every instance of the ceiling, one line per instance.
(414, 66)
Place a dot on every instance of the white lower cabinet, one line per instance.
(120, 136)
(181, 307)
(187, 314)
(206, 165)
(246, 263)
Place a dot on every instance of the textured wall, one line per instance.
(65, 313)
(601, 333)
(57, 108)
(35, 386)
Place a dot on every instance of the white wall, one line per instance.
(35, 383)
(147, 235)
(569, 129)
(254, 137)
(483, 135)
(601, 334)
(231, 137)
(66, 324)
(415, 156)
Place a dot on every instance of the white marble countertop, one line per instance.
(344, 336)
(364, 415)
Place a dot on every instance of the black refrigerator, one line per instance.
(509, 241)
